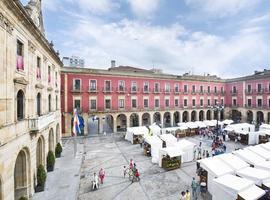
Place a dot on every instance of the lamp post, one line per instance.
(218, 108)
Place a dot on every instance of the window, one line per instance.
(234, 102)
(56, 79)
(146, 86)
(93, 85)
(38, 104)
(185, 88)
(215, 101)
(121, 103)
(176, 102)
(193, 102)
(49, 74)
(201, 89)
(249, 89)
(145, 103)
(50, 103)
(167, 87)
(156, 103)
(156, 87)
(77, 84)
(167, 102)
(20, 52)
(107, 86)
(259, 102)
(185, 102)
(176, 87)
(134, 103)
(234, 89)
(93, 104)
(121, 86)
(208, 102)
(134, 86)
(208, 89)
(259, 87)
(20, 105)
(38, 75)
(201, 102)
(249, 102)
(193, 88)
(107, 104)
(215, 89)
(222, 89)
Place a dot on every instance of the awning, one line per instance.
(252, 193)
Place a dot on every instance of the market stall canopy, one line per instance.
(209, 123)
(260, 151)
(191, 125)
(215, 166)
(155, 129)
(227, 121)
(259, 176)
(169, 139)
(140, 130)
(266, 146)
(188, 148)
(248, 156)
(215, 121)
(228, 187)
(263, 165)
(200, 124)
(172, 129)
(265, 127)
(233, 161)
(241, 127)
(252, 193)
(171, 151)
(229, 128)
(153, 140)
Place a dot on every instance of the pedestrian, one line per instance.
(183, 196)
(125, 171)
(194, 154)
(200, 150)
(213, 152)
(131, 164)
(194, 187)
(207, 154)
(95, 182)
(101, 175)
(203, 155)
(188, 195)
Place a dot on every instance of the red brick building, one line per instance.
(124, 96)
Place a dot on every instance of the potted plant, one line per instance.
(41, 179)
(58, 150)
(50, 161)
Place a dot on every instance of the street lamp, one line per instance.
(217, 108)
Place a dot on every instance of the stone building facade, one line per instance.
(122, 97)
(30, 117)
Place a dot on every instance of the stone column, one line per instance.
(128, 121)
(100, 124)
(85, 118)
(114, 125)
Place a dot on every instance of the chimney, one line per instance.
(112, 63)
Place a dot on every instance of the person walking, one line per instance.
(131, 163)
(125, 171)
(95, 182)
(188, 195)
(183, 196)
(101, 175)
(194, 186)
(200, 150)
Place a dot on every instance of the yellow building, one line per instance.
(29, 97)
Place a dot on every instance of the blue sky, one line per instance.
(224, 37)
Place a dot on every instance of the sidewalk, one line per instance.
(63, 182)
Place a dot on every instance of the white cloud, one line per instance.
(222, 8)
(144, 8)
(174, 48)
(97, 6)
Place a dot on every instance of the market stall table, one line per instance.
(170, 158)
(134, 134)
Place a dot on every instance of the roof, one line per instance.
(233, 161)
(249, 156)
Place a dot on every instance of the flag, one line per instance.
(76, 124)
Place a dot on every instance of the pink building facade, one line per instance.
(120, 97)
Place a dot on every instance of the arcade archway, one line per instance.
(134, 120)
(201, 117)
(121, 121)
(208, 115)
(167, 119)
(146, 121)
(249, 116)
(176, 118)
(260, 117)
(157, 118)
(185, 116)
(193, 116)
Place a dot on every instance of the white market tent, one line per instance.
(171, 152)
(228, 187)
(191, 125)
(169, 139)
(156, 130)
(200, 124)
(138, 131)
(260, 151)
(156, 145)
(266, 146)
(209, 123)
(172, 130)
(241, 127)
(233, 161)
(265, 127)
(188, 148)
(263, 165)
(259, 176)
(215, 168)
(227, 121)
(253, 137)
(248, 156)
(215, 121)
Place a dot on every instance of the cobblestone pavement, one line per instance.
(112, 153)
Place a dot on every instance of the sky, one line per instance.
(228, 38)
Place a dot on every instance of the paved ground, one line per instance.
(72, 177)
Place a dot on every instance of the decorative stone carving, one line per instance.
(32, 48)
(50, 89)
(39, 86)
(6, 24)
(20, 80)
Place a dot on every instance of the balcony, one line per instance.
(76, 90)
(247, 91)
(167, 91)
(107, 89)
(121, 89)
(156, 91)
(36, 124)
(134, 90)
(92, 89)
(234, 92)
(146, 90)
(176, 91)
